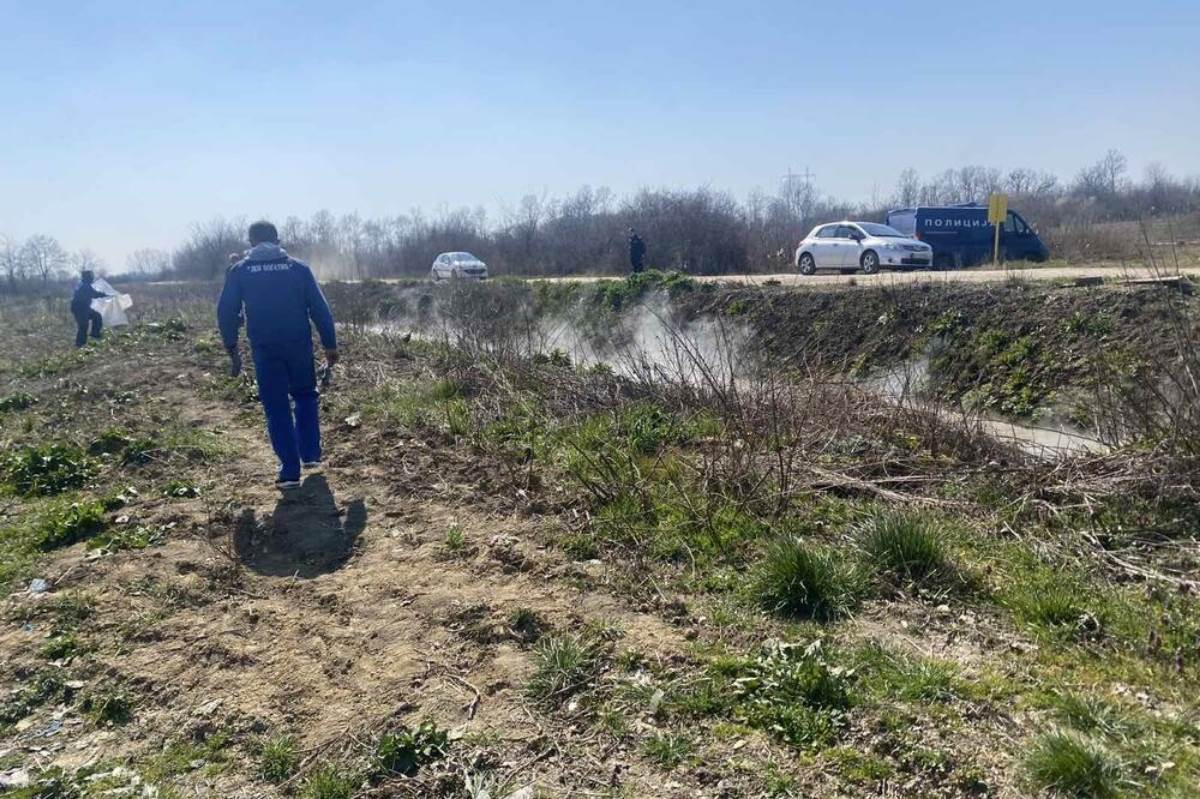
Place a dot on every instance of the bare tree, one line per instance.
(87, 260)
(12, 262)
(44, 257)
(205, 255)
(1104, 178)
(908, 189)
(148, 261)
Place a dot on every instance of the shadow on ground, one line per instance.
(306, 535)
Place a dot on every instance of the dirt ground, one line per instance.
(334, 609)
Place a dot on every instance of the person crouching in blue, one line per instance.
(81, 308)
(280, 296)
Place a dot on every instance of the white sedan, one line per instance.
(456, 265)
(850, 246)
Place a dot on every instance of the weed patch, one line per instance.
(406, 750)
(47, 469)
(793, 693)
(109, 707)
(43, 687)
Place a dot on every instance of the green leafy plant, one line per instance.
(64, 526)
(47, 469)
(456, 540)
(791, 691)
(181, 489)
(61, 646)
(406, 750)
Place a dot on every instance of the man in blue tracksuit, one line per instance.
(280, 296)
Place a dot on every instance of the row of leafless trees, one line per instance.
(702, 231)
(39, 261)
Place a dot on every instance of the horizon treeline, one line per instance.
(701, 231)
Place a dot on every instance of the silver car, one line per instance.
(458, 265)
(850, 246)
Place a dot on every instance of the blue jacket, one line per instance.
(281, 296)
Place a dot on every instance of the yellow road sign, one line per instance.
(997, 212)
(997, 208)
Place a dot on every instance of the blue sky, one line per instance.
(123, 122)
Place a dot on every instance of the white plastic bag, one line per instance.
(111, 309)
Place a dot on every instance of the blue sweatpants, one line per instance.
(286, 373)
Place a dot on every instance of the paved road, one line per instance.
(1109, 274)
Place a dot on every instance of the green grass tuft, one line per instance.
(1067, 764)
(278, 759)
(1092, 715)
(668, 750)
(799, 580)
(16, 402)
(1057, 604)
(906, 546)
(329, 782)
(565, 666)
(912, 679)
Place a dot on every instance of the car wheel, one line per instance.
(869, 262)
(433, 275)
(807, 265)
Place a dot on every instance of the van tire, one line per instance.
(807, 265)
(869, 262)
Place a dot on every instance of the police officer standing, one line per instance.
(281, 298)
(637, 252)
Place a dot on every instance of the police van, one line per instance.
(962, 236)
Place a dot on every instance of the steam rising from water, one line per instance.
(650, 343)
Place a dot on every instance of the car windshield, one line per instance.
(882, 231)
(461, 257)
